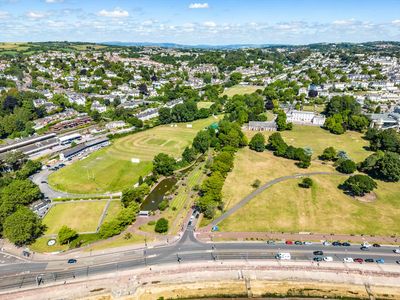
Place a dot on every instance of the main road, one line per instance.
(186, 249)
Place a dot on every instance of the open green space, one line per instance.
(113, 209)
(204, 104)
(318, 139)
(111, 169)
(40, 245)
(324, 208)
(118, 241)
(80, 216)
(241, 90)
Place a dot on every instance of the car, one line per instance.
(376, 245)
(336, 244)
(61, 165)
(298, 243)
(318, 258)
(348, 260)
(307, 243)
(328, 258)
(359, 260)
(364, 248)
(380, 261)
(398, 262)
(326, 243)
(72, 261)
(43, 181)
(397, 251)
(271, 242)
(318, 252)
(369, 260)
(289, 242)
(345, 244)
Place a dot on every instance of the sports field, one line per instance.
(322, 209)
(81, 216)
(241, 90)
(111, 169)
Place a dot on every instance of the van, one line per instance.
(283, 256)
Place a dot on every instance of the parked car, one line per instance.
(326, 243)
(345, 244)
(363, 248)
(398, 262)
(369, 260)
(289, 242)
(271, 242)
(359, 260)
(318, 252)
(376, 245)
(298, 243)
(328, 258)
(380, 261)
(307, 243)
(397, 250)
(318, 258)
(72, 261)
(336, 244)
(348, 260)
(43, 181)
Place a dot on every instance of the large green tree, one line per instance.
(359, 185)
(257, 142)
(66, 235)
(163, 164)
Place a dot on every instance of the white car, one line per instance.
(348, 260)
(307, 243)
(328, 258)
(397, 251)
(326, 243)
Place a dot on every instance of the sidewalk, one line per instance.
(204, 234)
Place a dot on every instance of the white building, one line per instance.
(305, 118)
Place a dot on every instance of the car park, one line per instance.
(72, 261)
(318, 252)
(359, 260)
(380, 261)
(328, 258)
(348, 260)
(369, 260)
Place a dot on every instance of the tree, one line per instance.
(137, 194)
(22, 227)
(189, 155)
(281, 121)
(328, 154)
(212, 186)
(161, 225)
(163, 164)
(202, 141)
(256, 184)
(277, 144)
(164, 115)
(235, 78)
(20, 192)
(359, 185)
(358, 123)
(388, 167)
(257, 142)
(66, 235)
(143, 89)
(347, 166)
(306, 183)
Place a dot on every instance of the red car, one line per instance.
(359, 260)
(289, 242)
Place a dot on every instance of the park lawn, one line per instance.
(40, 245)
(318, 139)
(241, 90)
(14, 46)
(111, 169)
(119, 241)
(204, 104)
(324, 208)
(250, 165)
(80, 216)
(113, 209)
(318, 108)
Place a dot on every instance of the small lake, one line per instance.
(157, 194)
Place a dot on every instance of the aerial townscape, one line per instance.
(213, 160)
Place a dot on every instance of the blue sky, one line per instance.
(200, 22)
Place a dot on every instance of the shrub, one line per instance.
(347, 166)
(306, 183)
(161, 225)
(359, 185)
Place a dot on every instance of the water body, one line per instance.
(157, 194)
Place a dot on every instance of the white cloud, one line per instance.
(54, 1)
(35, 15)
(396, 22)
(198, 5)
(4, 14)
(116, 13)
(209, 24)
(343, 22)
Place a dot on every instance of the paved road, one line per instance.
(262, 188)
(187, 249)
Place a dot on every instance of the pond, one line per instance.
(157, 194)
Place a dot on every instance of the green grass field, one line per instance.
(204, 104)
(319, 139)
(241, 90)
(113, 209)
(111, 169)
(80, 216)
(324, 208)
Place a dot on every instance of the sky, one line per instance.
(214, 22)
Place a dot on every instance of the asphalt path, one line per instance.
(187, 249)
